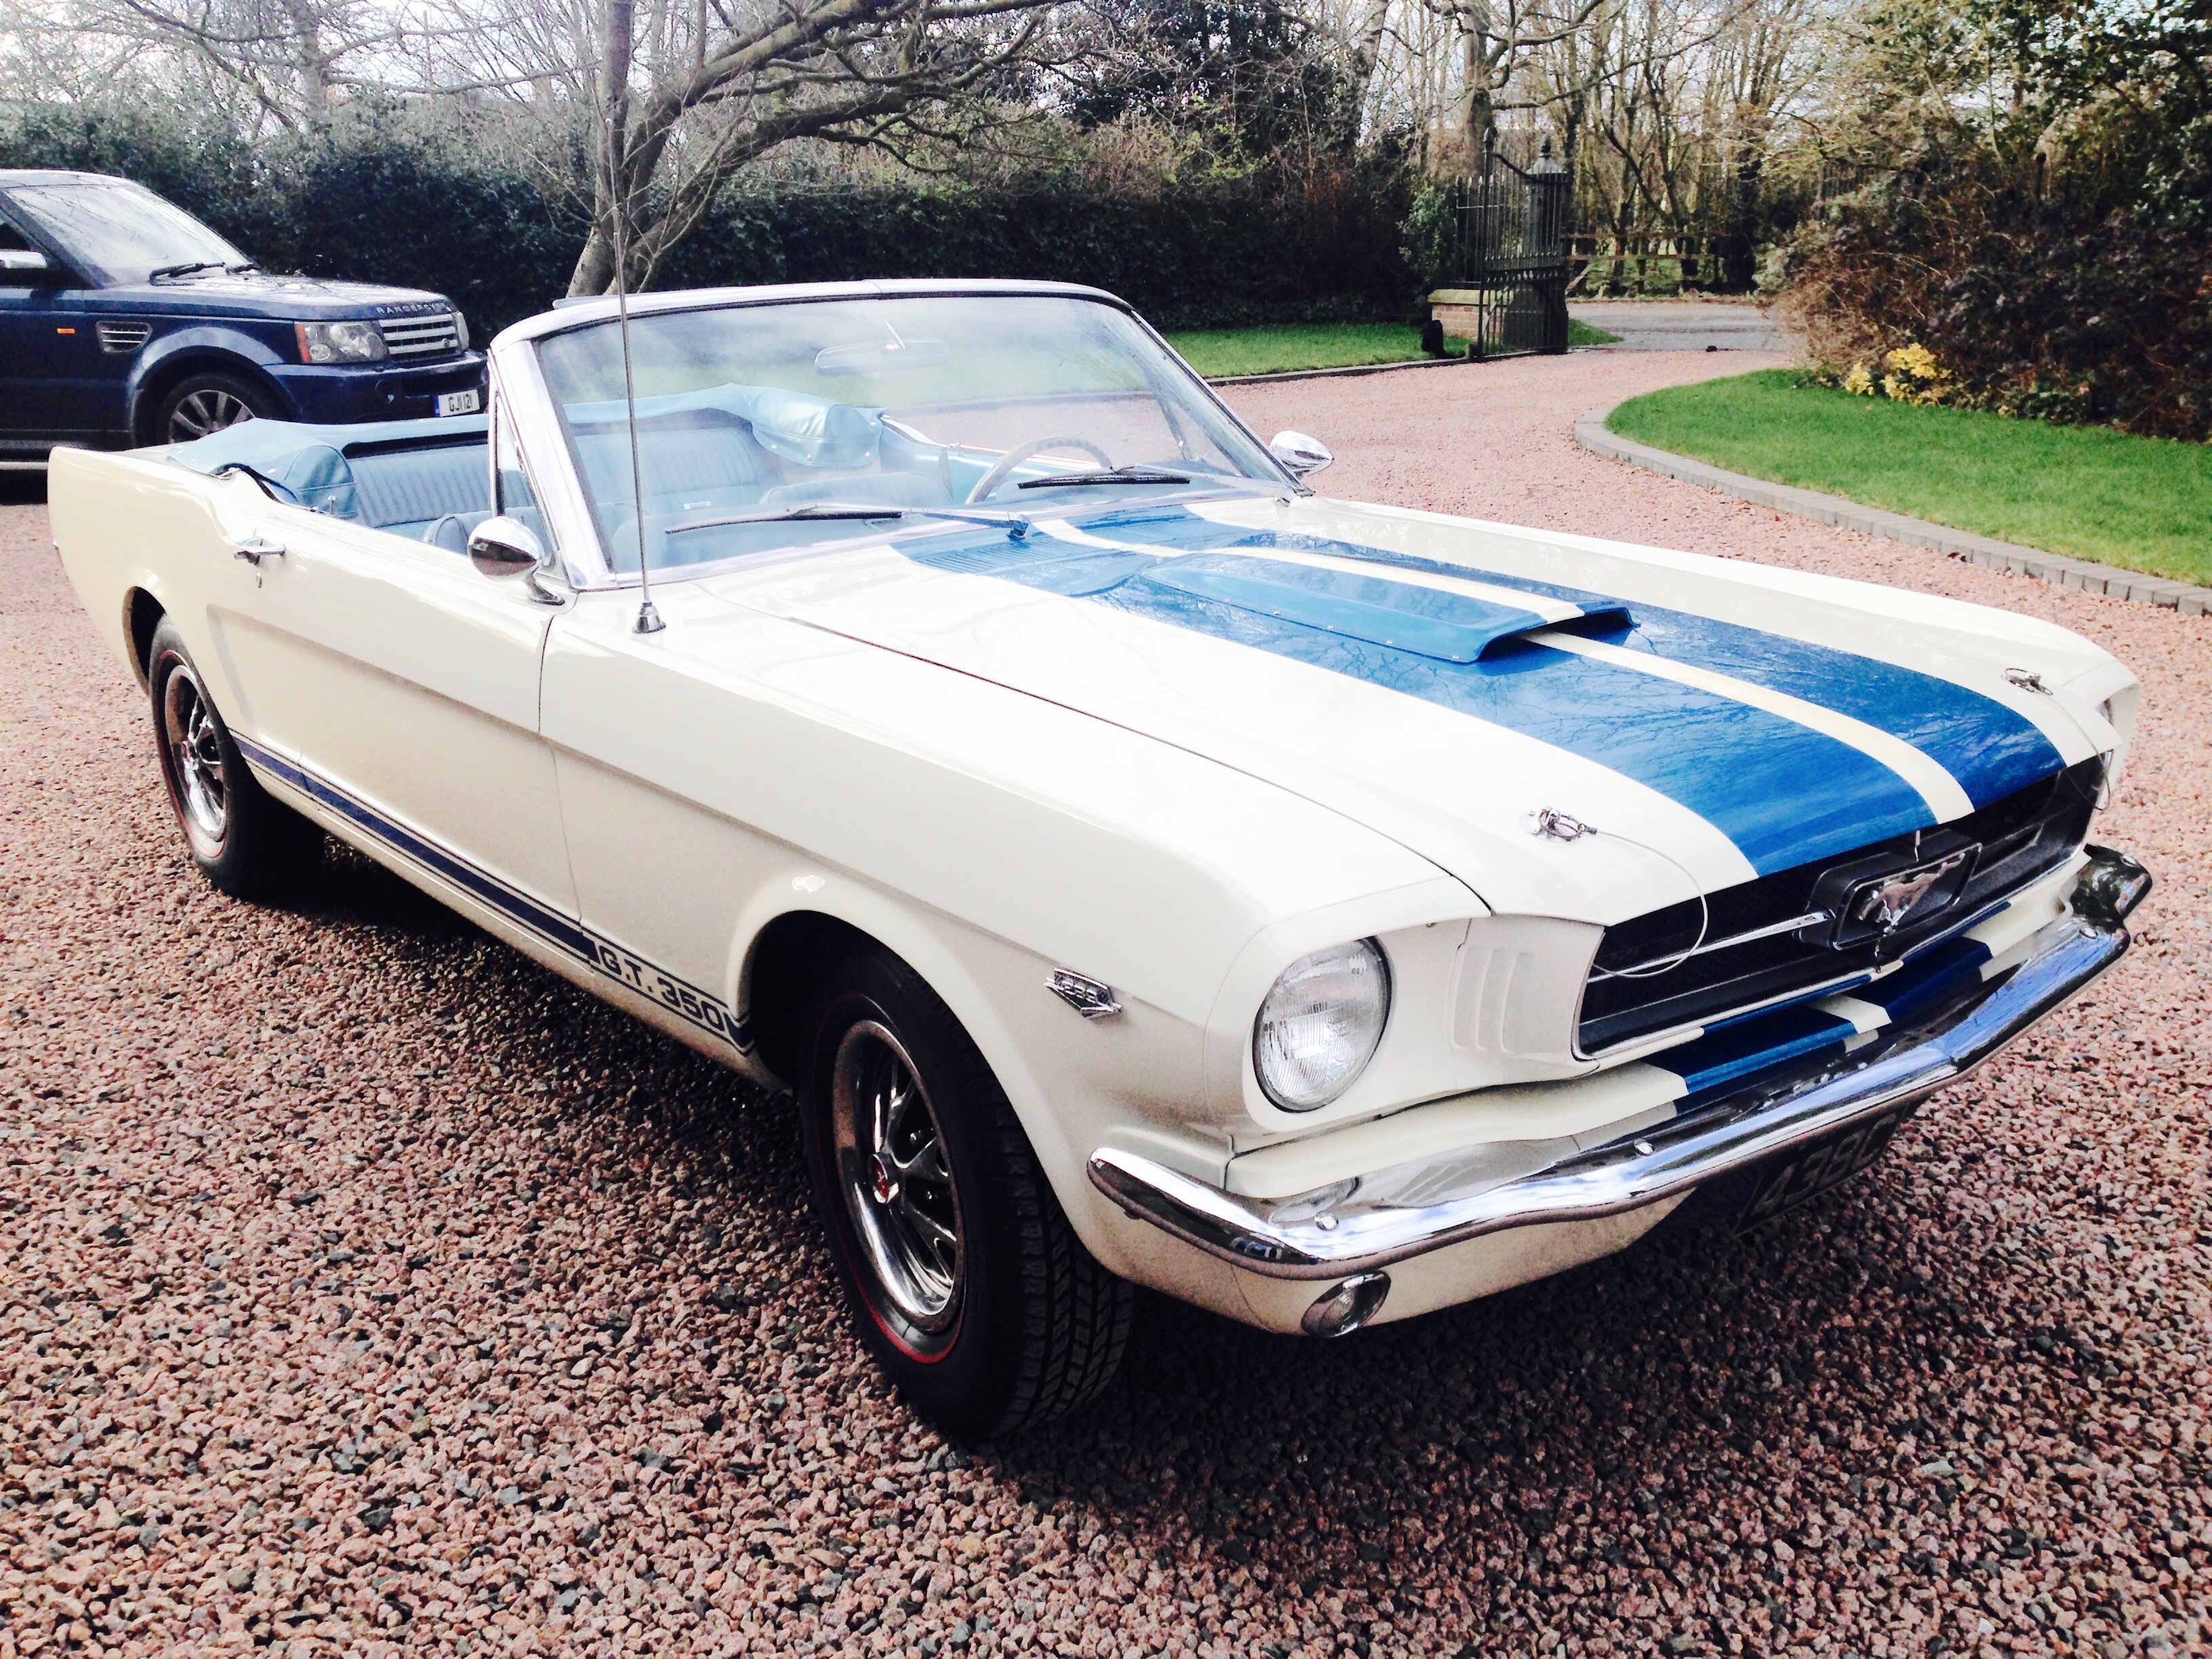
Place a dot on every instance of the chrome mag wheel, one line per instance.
(210, 409)
(195, 765)
(897, 1186)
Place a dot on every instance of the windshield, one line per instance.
(121, 233)
(749, 416)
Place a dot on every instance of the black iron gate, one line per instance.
(1514, 256)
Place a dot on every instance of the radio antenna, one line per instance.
(648, 619)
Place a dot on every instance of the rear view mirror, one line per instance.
(23, 265)
(881, 357)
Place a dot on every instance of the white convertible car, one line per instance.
(1142, 870)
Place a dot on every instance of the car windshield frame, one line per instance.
(198, 244)
(583, 531)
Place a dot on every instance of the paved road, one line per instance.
(358, 1281)
(1683, 325)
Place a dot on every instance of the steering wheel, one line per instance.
(1020, 452)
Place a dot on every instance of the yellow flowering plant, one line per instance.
(1915, 376)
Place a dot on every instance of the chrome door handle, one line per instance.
(254, 549)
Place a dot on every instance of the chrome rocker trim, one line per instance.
(1430, 1204)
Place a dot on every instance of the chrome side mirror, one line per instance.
(1300, 456)
(504, 547)
(24, 262)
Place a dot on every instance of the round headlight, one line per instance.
(1319, 1025)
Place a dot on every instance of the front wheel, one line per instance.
(246, 842)
(201, 403)
(963, 1274)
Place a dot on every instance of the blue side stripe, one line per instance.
(681, 998)
(517, 907)
(1989, 749)
(1783, 793)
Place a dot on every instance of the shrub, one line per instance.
(2028, 307)
(381, 197)
(2051, 247)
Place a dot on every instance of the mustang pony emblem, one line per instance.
(1889, 902)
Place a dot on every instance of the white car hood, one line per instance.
(1447, 681)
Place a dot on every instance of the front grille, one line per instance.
(2021, 836)
(433, 336)
(122, 337)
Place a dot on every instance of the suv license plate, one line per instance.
(1818, 1168)
(460, 402)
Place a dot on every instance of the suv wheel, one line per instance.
(201, 403)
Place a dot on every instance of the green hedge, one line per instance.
(379, 203)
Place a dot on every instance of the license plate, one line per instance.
(460, 402)
(1818, 1168)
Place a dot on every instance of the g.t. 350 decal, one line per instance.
(672, 993)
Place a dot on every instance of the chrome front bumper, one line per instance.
(1391, 1216)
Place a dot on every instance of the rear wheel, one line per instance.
(201, 403)
(963, 1276)
(247, 843)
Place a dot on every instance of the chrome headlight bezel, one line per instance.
(1333, 1007)
(349, 340)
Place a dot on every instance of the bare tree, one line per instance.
(666, 98)
(285, 59)
(1671, 110)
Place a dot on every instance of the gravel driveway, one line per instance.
(366, 1284)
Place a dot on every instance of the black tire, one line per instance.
(201, 403)
(1033, 1328)
(247, 843)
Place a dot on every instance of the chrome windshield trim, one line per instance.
(1431, 1203)
(584, 314)
(548, 462)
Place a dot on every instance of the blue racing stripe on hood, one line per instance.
(1783, 793)
(1989, 749)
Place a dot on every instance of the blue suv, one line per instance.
(125, 321)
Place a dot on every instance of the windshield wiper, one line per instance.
(1013, 524)
(1119, 475)
(183, 270)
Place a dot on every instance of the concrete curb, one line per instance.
(2191, 601)
(1333, 374)
(1386, 368)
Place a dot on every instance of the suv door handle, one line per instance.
(254, 549)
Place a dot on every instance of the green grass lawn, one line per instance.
(1290, 347)
(2140, 503)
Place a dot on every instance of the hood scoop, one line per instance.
(1447, 625)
